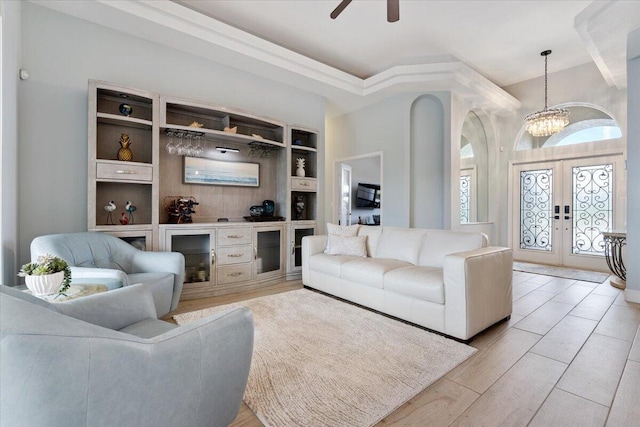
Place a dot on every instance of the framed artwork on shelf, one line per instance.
(215, 172)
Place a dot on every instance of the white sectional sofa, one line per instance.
(447, 281)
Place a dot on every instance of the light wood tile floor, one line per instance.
(569, 356)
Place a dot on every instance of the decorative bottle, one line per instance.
(124, 153)
(202, 273)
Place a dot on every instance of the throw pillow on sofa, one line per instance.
(340, 230)
(347, 245)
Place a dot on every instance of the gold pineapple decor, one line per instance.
(124, 153)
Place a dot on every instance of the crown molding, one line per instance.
(604, 27)
(176, 26)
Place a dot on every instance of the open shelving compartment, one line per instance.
(178, 115)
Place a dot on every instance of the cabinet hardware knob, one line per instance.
(234, 255)
(235, 236)
(125, 172)
(255, 252)
(213, 256)
(236, 274)
(293, 247)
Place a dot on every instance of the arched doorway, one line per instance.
(567, 189)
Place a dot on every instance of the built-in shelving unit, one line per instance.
(111, 179)
(223, 252)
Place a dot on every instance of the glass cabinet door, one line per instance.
(199, 256)
(268, 251)
(295, 254)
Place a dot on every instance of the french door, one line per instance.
(561, 208)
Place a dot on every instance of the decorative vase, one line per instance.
(48, 284)
(124, 153)
(256, 210)
(125, 109)
(269, 208)
(300, 167)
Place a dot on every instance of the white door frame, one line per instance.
(336, 183)
(344, 218)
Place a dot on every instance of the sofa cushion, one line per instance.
(440, 243)
(347, 245)
(328, 264)
(340, 230)
(373, 234)
(400, 243)
(369, 271)
(425, 283)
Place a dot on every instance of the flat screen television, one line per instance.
(368, 196)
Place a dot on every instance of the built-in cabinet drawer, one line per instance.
(235, 254)
(234, 236)
(304, 184)
(234, 273)
(123, 171)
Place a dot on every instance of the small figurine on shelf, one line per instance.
(124, 220)
(300, 167)
(130, 209)
(108, 208)
(124, 153)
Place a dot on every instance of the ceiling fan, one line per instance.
(393, 10)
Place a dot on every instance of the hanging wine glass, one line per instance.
(188, 149)
(179, 146)
(199, 149)
(170, 147)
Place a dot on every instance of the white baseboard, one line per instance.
(632, 295)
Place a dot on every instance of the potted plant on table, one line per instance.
(47, 276)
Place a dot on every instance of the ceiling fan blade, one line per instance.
(338, 10)
(393, 10)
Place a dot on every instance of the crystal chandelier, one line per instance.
(548, 121)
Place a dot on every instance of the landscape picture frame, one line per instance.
(199, 170)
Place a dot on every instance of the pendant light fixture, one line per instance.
(548, 121)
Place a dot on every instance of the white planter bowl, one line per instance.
(45, 285)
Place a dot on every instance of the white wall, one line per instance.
(11, 58)
(633, 168)
(62, 53)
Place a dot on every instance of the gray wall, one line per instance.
(62, 53)
(427, 162)
(11, 59)
(633, 169)
(386, 127)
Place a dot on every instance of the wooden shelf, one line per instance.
(302, 148)
(133, 122)
(223, 136)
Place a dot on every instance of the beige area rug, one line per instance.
(318, 361)
(567, 273)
